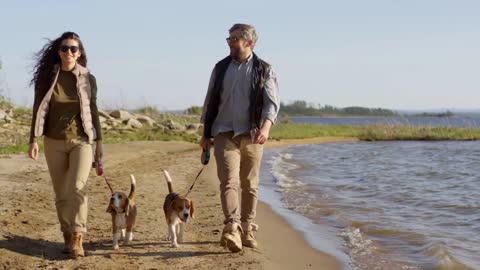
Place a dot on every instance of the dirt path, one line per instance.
(30, 236)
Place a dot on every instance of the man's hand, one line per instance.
(205, 143)
(33, 151)
(262, 134)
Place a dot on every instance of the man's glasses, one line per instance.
(232, 39)
(65, 48)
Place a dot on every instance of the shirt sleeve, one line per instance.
(207, 97)
(271, 98)
(94, 108)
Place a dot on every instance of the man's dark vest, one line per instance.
(259, 75)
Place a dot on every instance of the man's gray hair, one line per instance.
(247, 30)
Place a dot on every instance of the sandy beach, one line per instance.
(30, 237)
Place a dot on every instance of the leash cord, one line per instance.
(195, 181)
(108, 184)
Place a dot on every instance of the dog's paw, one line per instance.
(175, 245)
(115, 247)
(128, 237)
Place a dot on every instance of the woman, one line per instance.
(65, 112)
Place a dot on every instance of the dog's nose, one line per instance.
(185, 215)
(111, 199)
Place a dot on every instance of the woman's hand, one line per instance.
(33, 151)
(99, 151)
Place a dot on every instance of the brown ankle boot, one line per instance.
(67, 238)
(231, 237)
(248, 238)
(77, 246)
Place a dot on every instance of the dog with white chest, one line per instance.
(178, 211)
(124, 213)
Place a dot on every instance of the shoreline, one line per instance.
(285, 245)
(329, 256)
(35, 244)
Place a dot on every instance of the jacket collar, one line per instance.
(77, 70)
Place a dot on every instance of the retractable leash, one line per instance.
(204, 158)
(108, 184)
(97, 164)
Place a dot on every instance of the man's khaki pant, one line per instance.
(238, 166)
(69, 163)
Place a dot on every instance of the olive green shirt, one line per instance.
(64, 121)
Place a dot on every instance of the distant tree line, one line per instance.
(440, 114)
(302, 108)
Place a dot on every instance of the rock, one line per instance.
(145, 120)
(194, 126)
(172, 125)
(102, 119)
(3, 114)
(104, 114)
(134, 123)
(8, 119)
(105, 126)
(122, 115)
(9, 112)
(114, 122)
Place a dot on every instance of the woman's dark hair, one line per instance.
(47, 58)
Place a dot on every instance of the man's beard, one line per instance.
(235, 53)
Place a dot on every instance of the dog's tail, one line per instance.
(169, 181)
(133, 183)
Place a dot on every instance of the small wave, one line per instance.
(281, 166)
(356, 241)
(440, 257)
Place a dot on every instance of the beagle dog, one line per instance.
(124, 213)
(178, 211)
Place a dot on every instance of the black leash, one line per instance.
(195, 181)
(204, 159)
(108, 184)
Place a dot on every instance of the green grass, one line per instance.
(374, 133)
(281, 131)
(150, 134)
(289, 130)
(416, 133)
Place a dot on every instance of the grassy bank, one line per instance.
(375, 132)
(289, 130)
(148, 134)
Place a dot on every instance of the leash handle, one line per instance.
(205, 157)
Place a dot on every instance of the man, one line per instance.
(241, 105)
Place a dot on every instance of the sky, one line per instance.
(397, 54)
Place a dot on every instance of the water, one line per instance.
(384, 205)
(464, 120)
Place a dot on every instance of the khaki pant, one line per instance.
(238, 166)
(69, 163)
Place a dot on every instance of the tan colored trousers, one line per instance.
(69, 163)
(238, 166)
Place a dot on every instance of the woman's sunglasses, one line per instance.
(65, 48)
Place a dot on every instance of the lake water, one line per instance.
(453, 121)
(381, 205)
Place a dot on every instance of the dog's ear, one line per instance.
(127, 207)
(109, 208)
(192, 209)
